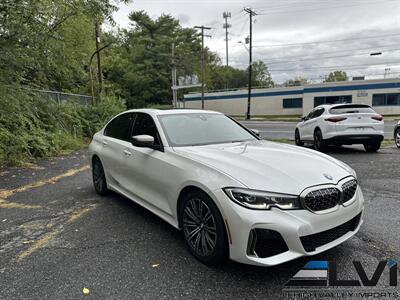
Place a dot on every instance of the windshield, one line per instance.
(202, 129)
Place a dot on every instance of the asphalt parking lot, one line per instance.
(57, 238)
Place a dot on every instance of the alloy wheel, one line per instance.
(99, 178)
(199, 227)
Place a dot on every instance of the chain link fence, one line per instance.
(61, 97)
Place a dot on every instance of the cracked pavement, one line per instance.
(58, 237)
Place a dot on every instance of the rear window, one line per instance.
(351, 109)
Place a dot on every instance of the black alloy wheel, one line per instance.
(319, 143)
(99, 178)
(203, 228)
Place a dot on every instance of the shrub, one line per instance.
(32, 126)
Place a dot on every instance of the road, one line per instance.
(57, 238)
(285, 130)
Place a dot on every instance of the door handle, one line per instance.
(104, 143)
(127, 153)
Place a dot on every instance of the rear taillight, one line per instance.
(377, 118)
(335, 119)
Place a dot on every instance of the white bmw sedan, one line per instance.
(232, 194)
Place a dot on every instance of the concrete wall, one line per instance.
(269, 101)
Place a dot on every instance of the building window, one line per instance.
(385, 99)
(332, 100)
(292, 103)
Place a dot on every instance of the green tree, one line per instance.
(297, 81)
(140, 66)
(336, 76)
(261, 75)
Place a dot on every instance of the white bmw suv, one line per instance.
(341, 124)
(232, 194)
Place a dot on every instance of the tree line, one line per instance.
(47, 44)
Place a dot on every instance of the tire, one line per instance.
(297, 138)
(99, 178)
(203, 228)
(397, 137)
(319, 143)
(372, 146)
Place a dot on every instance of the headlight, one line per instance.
(262, 200)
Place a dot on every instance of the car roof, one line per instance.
(173, 111)
(327, 106)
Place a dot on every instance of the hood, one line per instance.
(269, 166)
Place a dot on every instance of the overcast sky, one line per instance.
(306, 38)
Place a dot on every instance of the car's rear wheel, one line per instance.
(319, 143)
(203, 228)
(372, 146)
(397, 137)
(297, 138)
(99, 178)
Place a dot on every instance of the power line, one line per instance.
(325, 57)
(333, 52)
(272, 12)
(335, 67)
(327, 41)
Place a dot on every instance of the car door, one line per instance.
(304, 126)
(115, 139)
(147, 172)
(311, 123)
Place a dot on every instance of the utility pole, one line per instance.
(251, 15)
(100, 74)
(174, 91)
(202, 62)
(226, 26)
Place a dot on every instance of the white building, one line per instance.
(382, 95)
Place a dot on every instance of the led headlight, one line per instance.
(262, 200)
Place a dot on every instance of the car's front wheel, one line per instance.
(297, 138)
(397, 137)
(372, 146)
(203, 228)
(99, 178)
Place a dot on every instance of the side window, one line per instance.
(120, 127)
(144, 124)
(318, 112)
(310, 115)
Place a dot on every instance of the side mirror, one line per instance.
(256, 132)
(303, 118)
(142, 140)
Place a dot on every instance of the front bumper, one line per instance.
(290, 224)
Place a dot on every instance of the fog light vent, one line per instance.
(265, 243)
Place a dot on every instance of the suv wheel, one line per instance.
(372, 146)
(203, 228)
(99, 178)
(297, 139)
(319, 143)
(397, 137)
